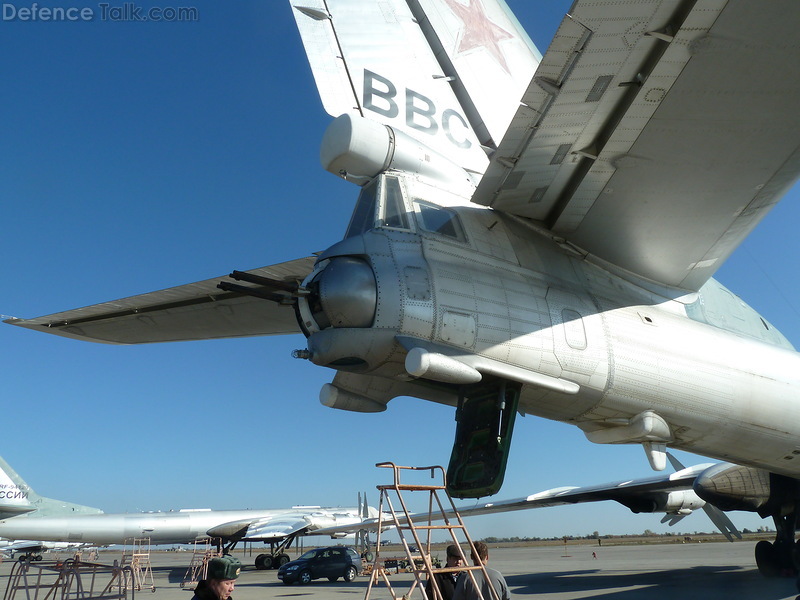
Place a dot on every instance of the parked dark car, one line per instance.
(332, 562)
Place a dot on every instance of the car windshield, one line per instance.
(308, 555)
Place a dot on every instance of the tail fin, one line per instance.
(17, 497)
(489, 54)
(449, 73)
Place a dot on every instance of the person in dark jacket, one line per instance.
(220, 579)
(446, 581)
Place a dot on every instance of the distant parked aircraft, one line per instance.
(25, 515)
(32, 550)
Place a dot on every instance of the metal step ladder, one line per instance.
(420, 527)
(204, 551)
(139, 561)
(69, 579)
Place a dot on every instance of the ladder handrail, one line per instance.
(398, 468)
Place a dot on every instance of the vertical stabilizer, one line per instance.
(487, 53)
(448, 73)
(17, 497)
(373, 59)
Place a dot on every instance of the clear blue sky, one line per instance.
(139, 156)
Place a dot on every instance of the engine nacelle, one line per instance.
(682, 502)
(734, 487)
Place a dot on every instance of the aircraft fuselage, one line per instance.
(178, 527)
(624, 360)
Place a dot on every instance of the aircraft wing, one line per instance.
(33, 546)
(195, 311)
(641, 495)
(305, 521)
(669, 493)
(261, 530)
(656, 135)
(23, 546)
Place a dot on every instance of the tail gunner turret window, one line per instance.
(363, 217)
(439, 220)
(379, 204)
(394, 208)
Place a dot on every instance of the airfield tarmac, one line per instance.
(706, 571)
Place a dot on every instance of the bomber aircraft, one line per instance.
(539, 234)
(25, 515)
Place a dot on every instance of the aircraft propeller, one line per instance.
(718, 518)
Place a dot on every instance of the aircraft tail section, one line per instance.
(17, 497)
(448, 73)
(487, 53)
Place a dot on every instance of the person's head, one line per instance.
(482, 551)
(454, 556)
(222, 574)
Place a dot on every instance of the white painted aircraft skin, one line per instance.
(724, 395)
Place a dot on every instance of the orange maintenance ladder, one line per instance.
(420, 527)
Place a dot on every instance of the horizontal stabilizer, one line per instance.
(195, 311)
(656, 135)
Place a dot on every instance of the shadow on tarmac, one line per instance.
(701, 583)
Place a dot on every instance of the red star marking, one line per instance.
(479, 31)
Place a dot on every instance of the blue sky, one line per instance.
(138, 156)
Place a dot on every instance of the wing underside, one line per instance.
(268, 529)
(655, 135)
(194, 311)
(644, 495)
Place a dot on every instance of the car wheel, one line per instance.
(350, 574)
(304, 578)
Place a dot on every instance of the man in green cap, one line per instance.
(220, 579)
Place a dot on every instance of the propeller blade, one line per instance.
(673, 519)
(722, 522)
(718, 518)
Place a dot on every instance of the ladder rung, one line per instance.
(448, 570)
(452, 569)
(415, 526)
